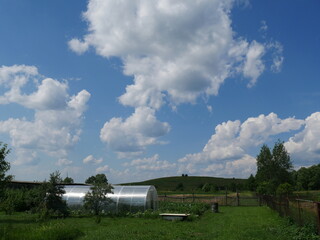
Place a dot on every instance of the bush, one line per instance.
(189, 208)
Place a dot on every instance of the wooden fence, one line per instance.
(301, 211)
(226, 200)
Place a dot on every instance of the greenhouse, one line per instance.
(124, 198)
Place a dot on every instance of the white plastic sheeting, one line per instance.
(124, 198)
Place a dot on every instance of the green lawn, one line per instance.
(190, 183)
(243, 223)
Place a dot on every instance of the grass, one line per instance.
(309, 195)
(231, 223)
(190, 183)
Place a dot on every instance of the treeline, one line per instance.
(276, 176)
(307, 178)
(46, 198)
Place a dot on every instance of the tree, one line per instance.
(273, 167)
(96, 200)
(180, 187)
(308, 178)
(4, 167)
(208, 187)
(52, 202)
(99, 178)
(68, 180)
(284, 190)
(251, 183)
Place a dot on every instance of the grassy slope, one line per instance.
(231, 223)
(190, 183)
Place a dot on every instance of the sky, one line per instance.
(143, 89)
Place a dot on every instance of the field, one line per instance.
(230, 223)
(190, 184)
(310, 195)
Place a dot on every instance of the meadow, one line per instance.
(191, 184)
(230, 223)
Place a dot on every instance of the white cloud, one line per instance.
(91, 159)
(78, 46)
(64, 162)
(304, 146)
(175, 51)
(226, 153)
(264, 26)
(136, 132)
(151, 164)
(103, 169)
(56, 125)
(253, 65)
(277, 56)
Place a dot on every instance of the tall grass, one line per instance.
(231, 223)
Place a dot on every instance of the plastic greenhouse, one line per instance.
(124, 198)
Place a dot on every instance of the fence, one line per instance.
(300, 210)
(226, 200)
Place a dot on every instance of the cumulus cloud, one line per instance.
(226, 153)
(78, 46)
(175, 51)
(103, 169)
(56, 124)
(304, 146)
(92, 159)
(64, 162)
(253, 65)
(150, 164)
(132, 135)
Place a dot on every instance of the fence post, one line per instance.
(260, 201)
(226, 198)
(300, 221)
(318, 215)
(238, 200)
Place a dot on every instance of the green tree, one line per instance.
(179, 187)
(265, 188)
(284, 190)
(208, 187)
(251, 183)
(96, 200)
(68, 180)
(99, 178)
(52, 203)
(308, 178)
(4, 167)
(273, 167)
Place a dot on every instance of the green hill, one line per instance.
(193, 184)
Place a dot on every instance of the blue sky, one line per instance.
(146, 89)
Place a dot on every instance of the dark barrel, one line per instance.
(215, 207)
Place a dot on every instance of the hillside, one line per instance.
(192, 183)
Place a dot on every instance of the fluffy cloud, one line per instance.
(226, 153)
(175, 51)
(136, 132)
(150, 164)
(304, 146)
(56, 125)
(78, 46)
(91, 159)
(253, 65)
(103, 169)
(64, 162)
